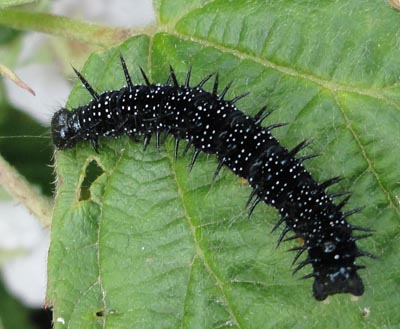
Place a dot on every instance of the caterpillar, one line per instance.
(214, 125)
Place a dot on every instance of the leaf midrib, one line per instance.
(199, 251)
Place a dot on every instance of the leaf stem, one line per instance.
(84, 32)
(15, 184)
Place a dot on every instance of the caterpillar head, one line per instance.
(63, 133)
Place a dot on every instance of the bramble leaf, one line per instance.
(153, 246)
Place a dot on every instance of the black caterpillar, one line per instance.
(214, 125)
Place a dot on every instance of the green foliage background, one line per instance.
(154, 247)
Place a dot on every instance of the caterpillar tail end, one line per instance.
(339, 282)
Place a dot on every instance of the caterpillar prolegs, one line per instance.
(212, 124)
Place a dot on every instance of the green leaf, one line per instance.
(154, 247)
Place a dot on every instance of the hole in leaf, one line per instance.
(100, 313)
(92, 172)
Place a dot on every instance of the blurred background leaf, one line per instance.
(10, 3)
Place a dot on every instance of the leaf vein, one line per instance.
(364, 153)
(329, 85)
(199, 252)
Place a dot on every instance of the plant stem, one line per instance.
(15, 184)
(87, 33)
